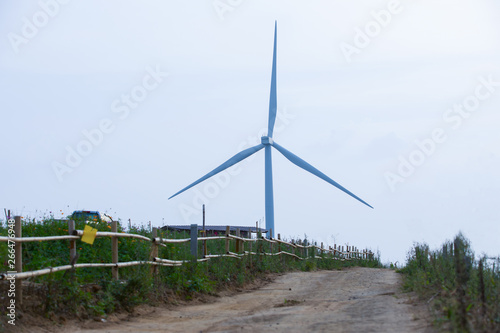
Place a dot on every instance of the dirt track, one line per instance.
(352, 300)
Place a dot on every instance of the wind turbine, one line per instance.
(267, 142)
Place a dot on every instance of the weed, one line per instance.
(288, 302)
(463, 292)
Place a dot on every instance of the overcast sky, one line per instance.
(116, 105)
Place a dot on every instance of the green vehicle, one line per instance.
(90, 215)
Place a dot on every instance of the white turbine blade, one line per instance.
(308, 167)
(230, 162)
(273, 100)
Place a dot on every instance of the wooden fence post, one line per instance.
(194, 242)
(72, 243)
(227, 239)
(482, 294)
(270, 237)
(205, 249)
(238, 242)
(205, 246)
(242, 247)
(18, 232)
(154, 251)
(258, 243)
(72, 246)
(279, 245)
(114, 250)
(250, 245)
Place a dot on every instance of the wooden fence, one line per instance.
(16, 240)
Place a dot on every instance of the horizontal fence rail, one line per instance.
(305, 251)
(35, 239)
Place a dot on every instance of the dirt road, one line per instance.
(352, 300)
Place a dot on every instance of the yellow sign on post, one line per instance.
(89, 234)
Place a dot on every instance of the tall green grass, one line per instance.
(463, 292)
(91, 292)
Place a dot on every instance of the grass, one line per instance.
(463, 292)
(92, 293)
(288, 302)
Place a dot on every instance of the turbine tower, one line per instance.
(267, 142)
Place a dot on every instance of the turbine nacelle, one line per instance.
(266, 140)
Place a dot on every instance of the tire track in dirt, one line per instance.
(351, 300)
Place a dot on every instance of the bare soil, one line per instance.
(351, 300)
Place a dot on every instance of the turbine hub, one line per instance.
(266, 140)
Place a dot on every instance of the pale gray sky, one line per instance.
(359, 83)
